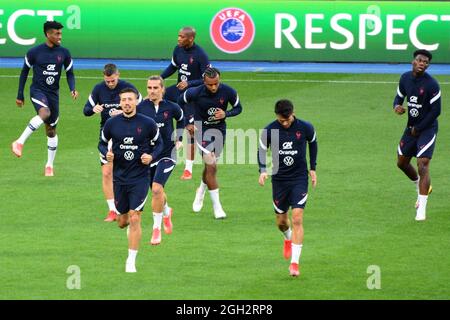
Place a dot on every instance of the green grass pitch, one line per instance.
(361, 213)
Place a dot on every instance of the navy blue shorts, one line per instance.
(287, 194)
(131, 197)
(41, 99)
(421, 146)
(160, 173)
(210, 140)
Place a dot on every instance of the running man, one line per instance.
(47, 61)
(163, 112)
(135, 143)
(210, 102)
(105, 100)
(287, 137)
(191, 61)
(419, 137)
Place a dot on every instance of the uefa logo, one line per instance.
(232, 30)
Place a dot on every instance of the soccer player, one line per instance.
(419, 137)
(287, 137)
(47, 61)
(104, 100)
(210, 102)
(135, 143)
(191, 61)
(163, 112)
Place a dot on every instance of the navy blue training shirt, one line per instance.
(47, 64)
(206, 103)
(110, 99)
(288, 149)
(423, 97)
(131, 137)
(164, 114)
(190, 63)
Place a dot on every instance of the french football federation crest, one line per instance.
(166, 114)
(139, 130)
(298, 134)
(232, 30)
(221, 101)
(191, 60)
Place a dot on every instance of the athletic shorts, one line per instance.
(160, 172)
(131, 197)
(210, 140)
(287, 194)
(42, 99)
(421, 146)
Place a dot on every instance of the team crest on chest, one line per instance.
(191, 60)
(139, 130)
(59, 59)
(298, 134)
(166, 115)
(222, 100)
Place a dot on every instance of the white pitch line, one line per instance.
(257, 80)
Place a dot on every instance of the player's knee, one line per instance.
(44, 113)
(107, 172)
(297, 220)
(157, 190)
(134, 218)
(210, 161)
